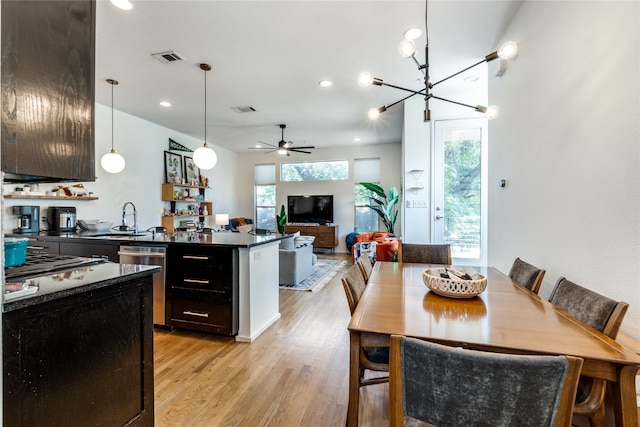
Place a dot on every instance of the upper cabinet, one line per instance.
(48, 83)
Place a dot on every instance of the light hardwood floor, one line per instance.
(294, 374)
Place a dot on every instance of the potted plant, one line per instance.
(281, 220)
(383, 204)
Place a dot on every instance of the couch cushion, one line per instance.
(303, 241)
(287, 243)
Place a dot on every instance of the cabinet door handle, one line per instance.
(204, 282)
(195, 313)
(199, 258)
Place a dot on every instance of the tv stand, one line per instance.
(326, 236)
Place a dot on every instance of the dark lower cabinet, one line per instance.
(91, 249)
(202, 288)
(83, 360)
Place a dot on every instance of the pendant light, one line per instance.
(204, 157)
(112, 162)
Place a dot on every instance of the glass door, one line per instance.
(460, 174)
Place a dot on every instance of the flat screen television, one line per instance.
(310, 209)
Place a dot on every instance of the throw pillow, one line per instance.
(287, 243)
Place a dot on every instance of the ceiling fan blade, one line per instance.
(259, 148)
(299, 151)
(306, 147)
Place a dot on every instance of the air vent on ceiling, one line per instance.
(170, 56)
(245, 109)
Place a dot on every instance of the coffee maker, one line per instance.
(28, 219)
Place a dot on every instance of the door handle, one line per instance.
(439, 216)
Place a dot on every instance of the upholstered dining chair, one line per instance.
(527, 275)
(364, 264)
(427, 254)
(602, 314)
(374, 351)
(436, 385)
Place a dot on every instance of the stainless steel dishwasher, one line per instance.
(150, 255)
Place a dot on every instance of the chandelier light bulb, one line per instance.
(204, 157)
(492, 112)
(374, 114)
(412, 33)
(407, 48)
(509, 50)
(112, 162)
(365, 79)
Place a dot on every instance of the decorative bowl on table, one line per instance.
(453, 286)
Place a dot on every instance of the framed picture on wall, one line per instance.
(173, 168)
(191, 171)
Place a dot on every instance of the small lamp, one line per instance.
(221, 219)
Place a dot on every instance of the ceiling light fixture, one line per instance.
(325, 83)
(165, 103)
(508, 50)
(122, 4)
(112, 162)
(204, 157)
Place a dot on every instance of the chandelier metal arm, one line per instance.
(413, 92)
(475, 107)
(459, 72)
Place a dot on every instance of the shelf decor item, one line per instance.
(172, 167)
(191, 172)
(453, 286)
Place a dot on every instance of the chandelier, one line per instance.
(407, 47)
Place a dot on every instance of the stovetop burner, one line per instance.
(38, 263)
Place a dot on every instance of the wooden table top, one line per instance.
(505, 316)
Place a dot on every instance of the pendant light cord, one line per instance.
(111, 116)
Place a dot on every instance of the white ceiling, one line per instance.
(271, 55)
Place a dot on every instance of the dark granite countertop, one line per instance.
(228, 239)
(64, 283)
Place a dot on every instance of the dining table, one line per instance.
(506, 317)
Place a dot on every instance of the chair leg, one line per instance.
(597, 418)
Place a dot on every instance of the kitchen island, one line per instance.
(79, 351)
(204, 270)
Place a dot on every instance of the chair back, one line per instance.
(527, 275)
(427, 254)
(451, 387)
(597, 311)
(364, 263)
(353, 284)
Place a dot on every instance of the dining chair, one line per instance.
(364, 264)
(374, 350)
(527, 275)
(427, 254)
(432, 384)
(601, 313)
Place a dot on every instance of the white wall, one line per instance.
(567, 141)
(143, 145)
(342, 191)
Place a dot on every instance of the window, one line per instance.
(314, 171)
(365, 170)
(265, 194)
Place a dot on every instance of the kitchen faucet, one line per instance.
(124, 218)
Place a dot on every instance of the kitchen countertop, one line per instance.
(72, 281)
(225, 238)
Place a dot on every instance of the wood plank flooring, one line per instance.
(294, 374)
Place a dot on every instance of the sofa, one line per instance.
(380, 245)
(296, 259)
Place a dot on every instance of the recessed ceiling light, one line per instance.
(122, 4)
(412, 33)
(165, 103)
(325, 83)
(356, 139)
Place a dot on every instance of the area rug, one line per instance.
(323, 271)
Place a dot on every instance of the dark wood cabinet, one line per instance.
(41, 245)
(326, 236)
(202, 288)
(48, 83)
(84, 359)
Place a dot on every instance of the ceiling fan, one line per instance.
(283, 147)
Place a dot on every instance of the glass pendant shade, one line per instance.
(112, 162)
(204, 157)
